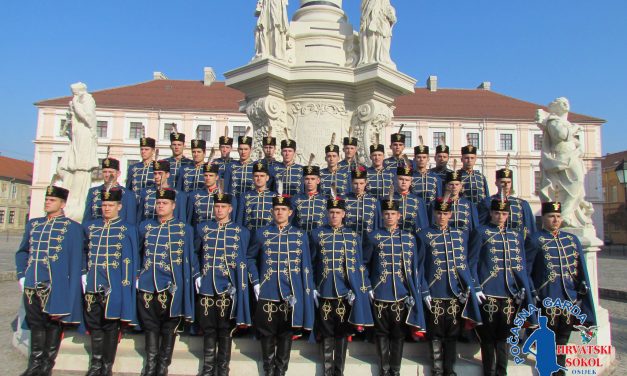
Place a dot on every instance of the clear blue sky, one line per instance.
(533, 50)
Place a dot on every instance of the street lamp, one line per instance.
(621, 172)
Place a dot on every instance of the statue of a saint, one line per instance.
(561, 164)
(272, 28)
(377, 20)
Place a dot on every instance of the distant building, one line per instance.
(16, 177)
(615, 207)
(495, 123)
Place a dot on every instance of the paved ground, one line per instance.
(612, 273)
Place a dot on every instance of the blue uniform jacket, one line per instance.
(413, 211)
(310, 211)
(148, 198)
(475, 186)
(223, 163)
(191, 178)
(139, 176)
(200, 206)
(291, 176)
(392, 163)
(93, 205)
(363, 214)
(176, 167)
(380, 182)
(520, 217)
(340, 177)
(255, 209)
(238, 177)
(427, 186)
(464, 216)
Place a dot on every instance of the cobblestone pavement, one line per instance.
(612, 272)
(618, 320)
(8, 245)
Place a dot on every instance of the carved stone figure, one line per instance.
(271, 33)
(80, 159)
(377, 20)
(561, 164)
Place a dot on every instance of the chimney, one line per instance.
(159, 76)
(485, 85)
(209, 76)
(432, 83)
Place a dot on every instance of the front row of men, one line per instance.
(164, 273)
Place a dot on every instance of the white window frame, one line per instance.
(433, 128)
(506, 129)
(135, 118)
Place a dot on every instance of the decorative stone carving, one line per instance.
(271, 32)
(369, 121)
(263, 113)
(562, 165)
(377, 20)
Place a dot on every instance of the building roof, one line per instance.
(612, 160)
(184, 95)
(16, 169)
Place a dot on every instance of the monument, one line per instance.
(317, 76)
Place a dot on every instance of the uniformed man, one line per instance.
(333, 174)
(255, 206)
(177, 161)
(48, 264)
(310, 206)
(497, 262)
(463, 212)
(288, 172)
(225, 144)
(442, 152)
(268, 144)
(110, 175)
(363, 213)
(279, 265)
(238, 177)
(350, 152)
(475, 185)
(167, 273)
(425, 184)
(200, 202)
(397, 145)
(147, 208)
(192, 177)
(520, 216)
(222, 291)
(558, 270)
(341, 280)
(380, 179)
(108, 283)
(413, 210)
(391, 258)
(448, 290)
(140, 175)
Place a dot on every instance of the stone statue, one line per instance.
(271, 33)
(80, 159)
(377, 20)
(562, 166)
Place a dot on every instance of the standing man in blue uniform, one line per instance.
(497, 262)
(225, 144)
(279, 266)
(192, 177)
(425, 184)
(238, 177)
(147, 208)
(140, 175)
(363, 213)
(200, 202)
(474, 184)
(167, 272)
(413, 210)
(222, 301)
(397, 145)
(448, 290)
(255, 206)
(392, 261)
(380, 179)
(310, 206)
(333, 174)
(177, 161)
(350, 153)
(48, 264)
(288, 172)
(463, 212)
(268, 144)
(557, 264)
(441, 162)
(108, 283)
(110, 175)
(341, 280)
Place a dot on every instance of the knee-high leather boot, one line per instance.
(209, 355)
(488, 358)
(37, 357)
(111, 338)
(152, 352)
(283, 350)
(502, 351)
(450, 355)
(268, 350)
(328, 347)
(383, 350)
(97, 350)
(224, 355)
(165, 353)
(437, 357)
(396, 356)
(341, 345)
(54, 335)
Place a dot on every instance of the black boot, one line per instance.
(502, 351)
(165, 353)
(152, 351)
(209, 356)
(341, 345)
(450, 355)
(268, 349)
(383, 350)
(224, 355)
(488, 358)
(328, 346)
(283, 350)
(97, 349)
(437, 357)
(37, 358)
(54, 335)
(396, 356)
(111, 338)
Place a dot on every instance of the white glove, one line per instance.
(137, 284)
(371, 294)
(256, 289)
(315, 296)
(21, 283)
(481, 297)
(198, 283)
(84, 282)
(427, 300)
